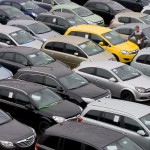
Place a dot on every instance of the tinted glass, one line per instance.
(21, 60)
(96, 38)
(75, 20)
(82, 11)
(89, 70)
(9, 56)
(124, 19)
(141, 59)
(21, 99)
(104, 73)
(51, 82)
(62, 23)
(58, 47)
(36, 79)
(147, 12)
(146, 19)
(133, 20)
(146, 120)
(148, 60)
(71, 49)
(93, 114)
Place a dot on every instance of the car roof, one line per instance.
(67, 6)
(125, 107)
(102, 64)
(5, 29)
(26, 87)
(68, 39)
(57, 72)
(102, 1)
(20, 49)
(3, 7)
(90, 29)
(90, 134)
(22, 22)
(131, 14)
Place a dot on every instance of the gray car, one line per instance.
(121, 116)
(142, 61)
(128, 29)
(5, 73)
(122, 80)
(39, 30)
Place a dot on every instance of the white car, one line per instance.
(146, 9)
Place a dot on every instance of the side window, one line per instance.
(51, 82)
(148, 60)
(41, 18)
(71, 49)
(83, 34)
(131, 124)
(47, 1)
(9, 56)
(38, 0)
(147, 12)
(124, 19)
(104, 73)
(141, 59)
(89, 70)
(72, 145)
(16, 6)
(5, 39)
(51, 142)
(21, 99)
(49, 45)
(73, 33)
(36, 79)
(23, 77)
(102, 7)
(1, 55)
(51, 20)
(6, 3)
(133, 20)
(21, 60)
(67, 11)
(96, 38)
(93, 114)
(125, 31)
(91, 5)
(62, 23)
(58, 47)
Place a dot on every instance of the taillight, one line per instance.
(36, 146)
(79, 119)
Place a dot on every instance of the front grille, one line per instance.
(26, 142)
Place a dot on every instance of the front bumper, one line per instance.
(142, 97)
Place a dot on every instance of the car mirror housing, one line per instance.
(141, 132)
(76, 54)
(101, 43)
(113, 80)
(59, 88)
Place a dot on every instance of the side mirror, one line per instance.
(8, 42)
(101, 43)
(76, 54)
(141, 132)
(59, 88)
(9, 114)
(112, 80)
(29, 107)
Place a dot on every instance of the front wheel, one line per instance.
(127, 95)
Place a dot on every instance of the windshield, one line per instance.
(45, 98)
(75, 20)
(73, 81)
(146, 121)
(40, 58)
(123, 144)
(22, 37)
(63, 1)
(114, 38)
(126, 72)
(13, 12)
(146, 19)
(116, 6)
(4, 118)
(29, 5)
(39, 28)
(90, 48)
(82, 11)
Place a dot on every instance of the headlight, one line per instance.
(33, 14)
(140, 89)
(7, 144)
(124, 52)
(90, 22)
(88, 100)
(59, 119)
(34, 133)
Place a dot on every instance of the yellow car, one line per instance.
(123, 49)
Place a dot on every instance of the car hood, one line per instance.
(142, 81)
(57, 64)
(38, 10)
(35, 44)
(63, 109)
(14, 131)
(89, 91)
(48, 34)
(102, 56)
(24, 17)
(93, 18)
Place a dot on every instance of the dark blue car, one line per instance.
(26, 6)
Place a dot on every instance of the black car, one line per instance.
(8, 13)
(107, 9)
(15, 135)
(14, 58)
(60, 21)
(135, 5)
(64, 82)
(35, 104)
(82, 136)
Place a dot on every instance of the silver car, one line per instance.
(39, 30)
(13, 36)
(142, 61)
(122, 116)
(122, 80)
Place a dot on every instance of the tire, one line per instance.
(128, 96)
(117, 58)
(43, 125)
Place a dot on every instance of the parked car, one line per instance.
(26, 6)
(64, 82)
(77, 136)
(37, 29)
(5, 73)
(8, 13)
(35, 104)
(123, 49)
(146, 9)
(130, 17)
(60, 21)
(142, 61)
(13, 36)
(73, 50)
(107, 9)
(122, 80)
(80, 11)
(121, 116)
(128, 29)
(15, 135)
(134, 5)
(14, 58)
